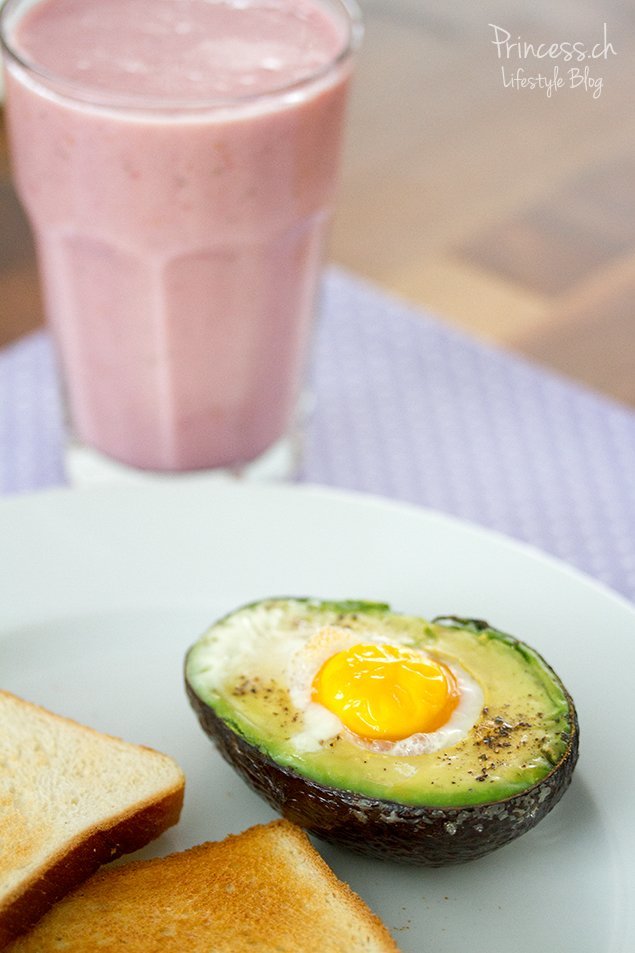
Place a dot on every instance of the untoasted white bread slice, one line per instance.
(70, 799)
(266, 890)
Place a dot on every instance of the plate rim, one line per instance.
(106, 494)
(324, 493)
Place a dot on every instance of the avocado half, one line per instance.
(451, 805)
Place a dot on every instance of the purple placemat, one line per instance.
(410, 408)
(31, 428)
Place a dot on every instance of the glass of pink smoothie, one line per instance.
(178, 162)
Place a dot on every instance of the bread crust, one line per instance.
(124, 832)
(264, 889)
(71, 867)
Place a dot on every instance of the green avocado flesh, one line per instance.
(245, 668)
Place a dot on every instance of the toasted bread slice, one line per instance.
(264, 890)
(70, 799)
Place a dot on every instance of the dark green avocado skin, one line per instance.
(426, 836)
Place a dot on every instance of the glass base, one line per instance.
(88, 467)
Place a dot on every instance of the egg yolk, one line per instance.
(386, 692)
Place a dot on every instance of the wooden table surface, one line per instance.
(506, 211)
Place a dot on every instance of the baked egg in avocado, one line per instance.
(428, 742)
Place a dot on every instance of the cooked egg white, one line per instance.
(296, 655)
(321, 723)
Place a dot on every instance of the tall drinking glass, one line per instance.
(178, 162)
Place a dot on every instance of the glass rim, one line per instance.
(69, 89)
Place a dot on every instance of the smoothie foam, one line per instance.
(180, 248)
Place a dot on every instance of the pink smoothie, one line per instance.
(178, 161)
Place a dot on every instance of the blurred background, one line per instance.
(503, 210)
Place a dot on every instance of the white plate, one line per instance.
(102, 592)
